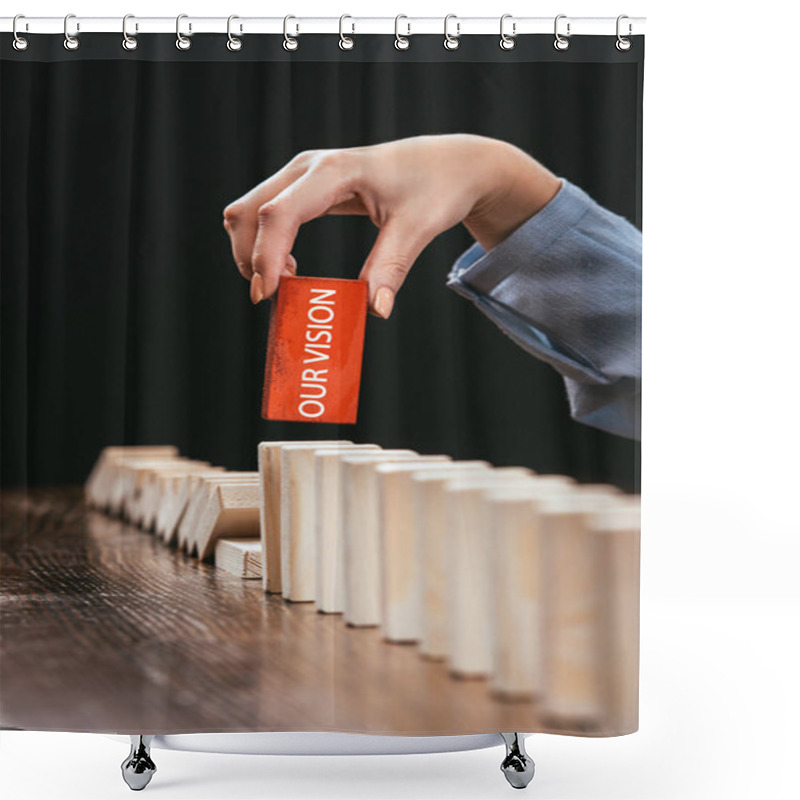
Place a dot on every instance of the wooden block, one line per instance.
(96, 488)
(198, 500)
(475, 621)
(512, 580)
(154, 488)
(231, 512)
(572, 690)
(135, 478)
(157, 486)
(433, 518)
(210, 505)
(130, 480)
(401, 584)
(617, 539)
(329, 592)
(316, 342)
(98, 485)
(239, 557)
(196, 497)
(298, 519)
(178, 491)
(253, 560)
(168, 485)
(360, 520)
(141, 509)
(124, 484)
(269, 471)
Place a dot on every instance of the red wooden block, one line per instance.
(316, 342)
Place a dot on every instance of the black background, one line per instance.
(124, 320)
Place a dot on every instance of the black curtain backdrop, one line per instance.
(124, 319)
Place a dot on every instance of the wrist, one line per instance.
(520, 187)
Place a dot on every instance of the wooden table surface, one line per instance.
(106, 629)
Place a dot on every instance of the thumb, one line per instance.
(397, 247)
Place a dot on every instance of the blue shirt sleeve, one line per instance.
(566, 287)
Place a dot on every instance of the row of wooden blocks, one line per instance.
(529, 581)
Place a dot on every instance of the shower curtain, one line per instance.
(142, 244)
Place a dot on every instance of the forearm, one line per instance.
(566, 286)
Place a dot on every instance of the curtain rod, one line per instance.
(407, 25)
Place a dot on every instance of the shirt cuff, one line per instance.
(477, 273)
(487, 269)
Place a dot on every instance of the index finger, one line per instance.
(241, 216)
(313, 195)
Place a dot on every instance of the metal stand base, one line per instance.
(517, 766)
(138, 768)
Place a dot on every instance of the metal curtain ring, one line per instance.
(561, 42)
(401, 42)
(20, 42)
(507, 42)
(451, 42)
(346, 42)
(129, 42)
(290, 43)
(233, 43)
(182, 42)
(622, 42)
(70, 42)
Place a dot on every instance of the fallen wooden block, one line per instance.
(177, 491)
(269, 471)
(239, 557)
(329, 592)
(401, 581)
(127, 472)
(98, 487)
(124, 484)
(200, 485)
(143, 507)
(128, 485)
(231, 512)
(155, 489)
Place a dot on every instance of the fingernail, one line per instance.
(384, 300)
(256, 289)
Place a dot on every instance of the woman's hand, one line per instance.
(412, 189)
